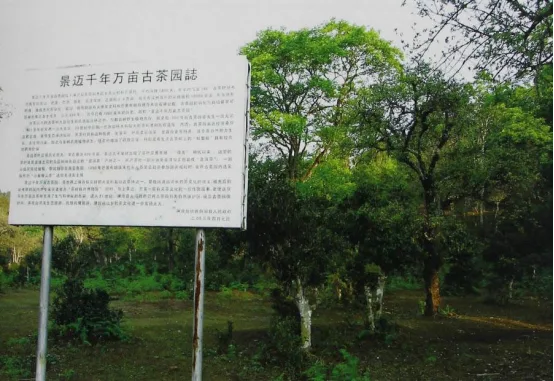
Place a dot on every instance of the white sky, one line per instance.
(45, 34)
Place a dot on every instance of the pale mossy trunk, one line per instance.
(374, 301)
(369, 317)
(16, 256)
(305, 309)
(511, 289)
(379, 293)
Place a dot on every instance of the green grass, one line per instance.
(398, 283)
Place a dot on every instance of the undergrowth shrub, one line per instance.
(347, 370)
(385, 330)
(16, 367)
(170, 282)
(57, 282)
(539, 286)
(183, 295)
(407, 282)
(97, 281)
(283, 346)
(225, 339)
(264, 287)
(142, 284)
(6, 280)
(83, 314)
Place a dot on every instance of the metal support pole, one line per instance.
(198, 305)
(44, 299)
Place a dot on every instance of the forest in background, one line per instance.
(368, 171)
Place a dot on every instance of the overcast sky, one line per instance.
(46, 34)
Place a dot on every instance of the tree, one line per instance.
(15, 241)
(289, 232)
(382, 221)
(494, 184)
(302, 83)
(416, 118)
(505, 37)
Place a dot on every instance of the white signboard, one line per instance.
(134, 144)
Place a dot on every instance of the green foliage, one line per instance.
(447, 311)
(331, 180)
(97, 281)
(16, 367)
(137, 285)
(227, 291)
(56, 282)
(347, 370)
(67, 374)
(238, 286)
(68, 259)
(539, 286)
(6, 280)
(382, 219)
(317, 371)
(282, 347)
(264, 287)
(170, 282)
(225, 340)
(463, 252)
(404, 282)
(84, 314)
(18, 341)
(421, 307)
(183, 295)
(431, 359)
(303, 82)
(385, 330)
(143, 284)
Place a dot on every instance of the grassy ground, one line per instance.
(477, 342)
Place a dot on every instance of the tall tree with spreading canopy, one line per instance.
(416, 118)
(302, 83)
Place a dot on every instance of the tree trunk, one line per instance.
(483, 139)
(379, 293)
(171, 249)
(16, 256)
(431, 268)
(374, 302)
(481, 213)
(432, 261)
(369, 317)
(305, 311)
(497, 210)
(511, 289)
